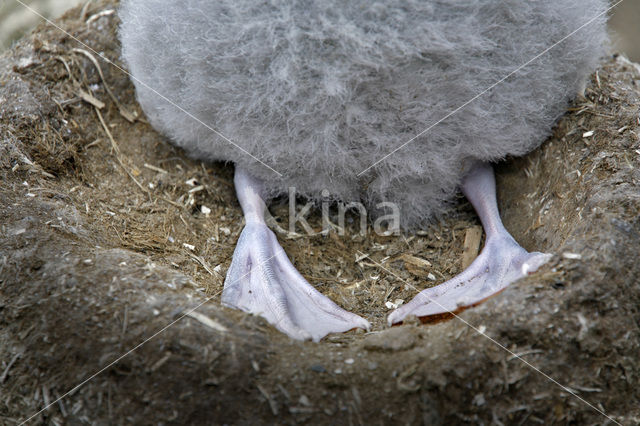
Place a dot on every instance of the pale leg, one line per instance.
(501, 262)
(261, 280)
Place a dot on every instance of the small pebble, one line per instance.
(318, 368)
(479, 400)
(304, 400)
(575, 256)
(394, 304)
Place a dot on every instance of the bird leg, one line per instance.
(261, 280)
(501, 262)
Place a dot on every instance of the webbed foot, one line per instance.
(501, 262)
(261, 279)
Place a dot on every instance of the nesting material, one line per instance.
(472, 239)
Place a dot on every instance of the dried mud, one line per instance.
(104, 248)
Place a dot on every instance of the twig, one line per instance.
(205, 265)
(98, 15)
(203, 319)
(6, 370)
(471, 245)
(89, 98)
(125, 320)
(154, 168)
(270, 400)
(117, 151)
(519, 354)
(83, 13)
(123, 111)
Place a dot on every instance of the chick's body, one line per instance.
(321, 90)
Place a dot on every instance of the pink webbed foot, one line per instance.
(261, 280)
(501, 262)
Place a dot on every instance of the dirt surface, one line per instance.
(104, 245)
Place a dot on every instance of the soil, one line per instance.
(105, 250)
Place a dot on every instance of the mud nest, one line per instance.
(109, 235)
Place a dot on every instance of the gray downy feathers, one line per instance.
(321, 90)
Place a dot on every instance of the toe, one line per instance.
(535, 261)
